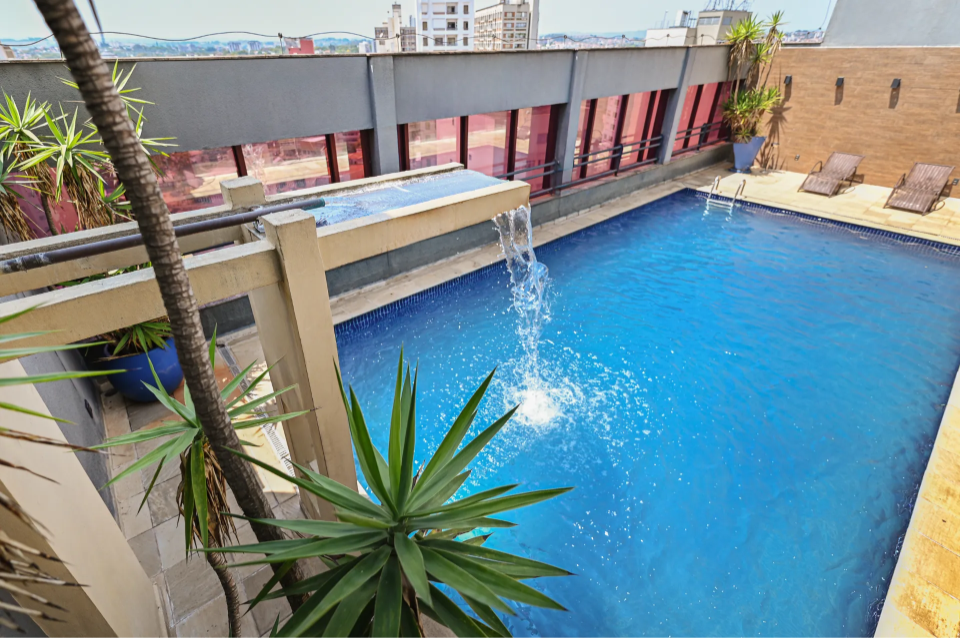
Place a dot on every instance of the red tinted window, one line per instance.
(533, 131)
(191, 179)
(640, 124)
(349, 155)
(64, 215)
(288, 165)
(702, 114)
(434, 142)
(685, 119)
(723, 93)
(487, 148)
(604, 133)
(582, 126)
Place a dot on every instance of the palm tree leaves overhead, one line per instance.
(388, 557)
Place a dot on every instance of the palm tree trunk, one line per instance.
(135, 171)
(219, 565)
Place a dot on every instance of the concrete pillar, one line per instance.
(296, 332)
(386, 152)
(117, 598)
(243, 192)
(570, 118)
(671, 119)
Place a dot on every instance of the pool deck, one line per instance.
(924, 594)
(862, 205)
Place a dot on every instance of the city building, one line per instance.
(393, 36)
(683, 32)
(509, 24)
(299, 46)
(6, 53)
(446, 26)
(364, 47)
(713, 26)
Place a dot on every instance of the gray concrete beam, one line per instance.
(671, 120)
(570, 117)
(383, 96)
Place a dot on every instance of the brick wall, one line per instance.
(921, 124)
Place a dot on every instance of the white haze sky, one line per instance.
(184, 18)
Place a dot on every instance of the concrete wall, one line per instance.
(894, 23)
(217, 102)
(920, 122)
(77, 403)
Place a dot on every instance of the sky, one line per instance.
(184, 18)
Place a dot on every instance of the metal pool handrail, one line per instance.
(714, 188)
(739, 193)
(38, 260)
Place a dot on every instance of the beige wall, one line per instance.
(118, 599)
(922, 124)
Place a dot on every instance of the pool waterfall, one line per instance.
(529, 287)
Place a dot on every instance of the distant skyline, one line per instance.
(187, 18)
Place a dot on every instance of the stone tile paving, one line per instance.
(862, 204)
(193, 601)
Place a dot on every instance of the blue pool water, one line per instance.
(392, 195)
(745, 405)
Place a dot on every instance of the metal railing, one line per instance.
(702, 133)
(614, 156)
(550, 172)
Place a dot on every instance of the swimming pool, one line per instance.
(391, 195)
(745, 403)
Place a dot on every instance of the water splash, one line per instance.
(529, 283)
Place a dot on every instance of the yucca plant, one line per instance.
(742, 39)
(141, 337)
(202, 494)
(387, 557)
(744, 111)
(18, 560)
(19, 134)
(753, 45)
(71, 149)
(773, 40)
(57, 155)
(134, 107)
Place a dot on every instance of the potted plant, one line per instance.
(134, 350)
(751, 98)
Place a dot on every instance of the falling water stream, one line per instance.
(540, 398)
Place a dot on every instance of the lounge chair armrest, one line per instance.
(815, 169)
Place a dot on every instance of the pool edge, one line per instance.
(923, 598)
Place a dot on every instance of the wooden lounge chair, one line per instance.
(840, 167)
(920, 190)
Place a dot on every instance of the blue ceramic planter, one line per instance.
(130, 383)
(745, 154)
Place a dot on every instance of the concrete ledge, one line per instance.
(343, 188)
(375, 235)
